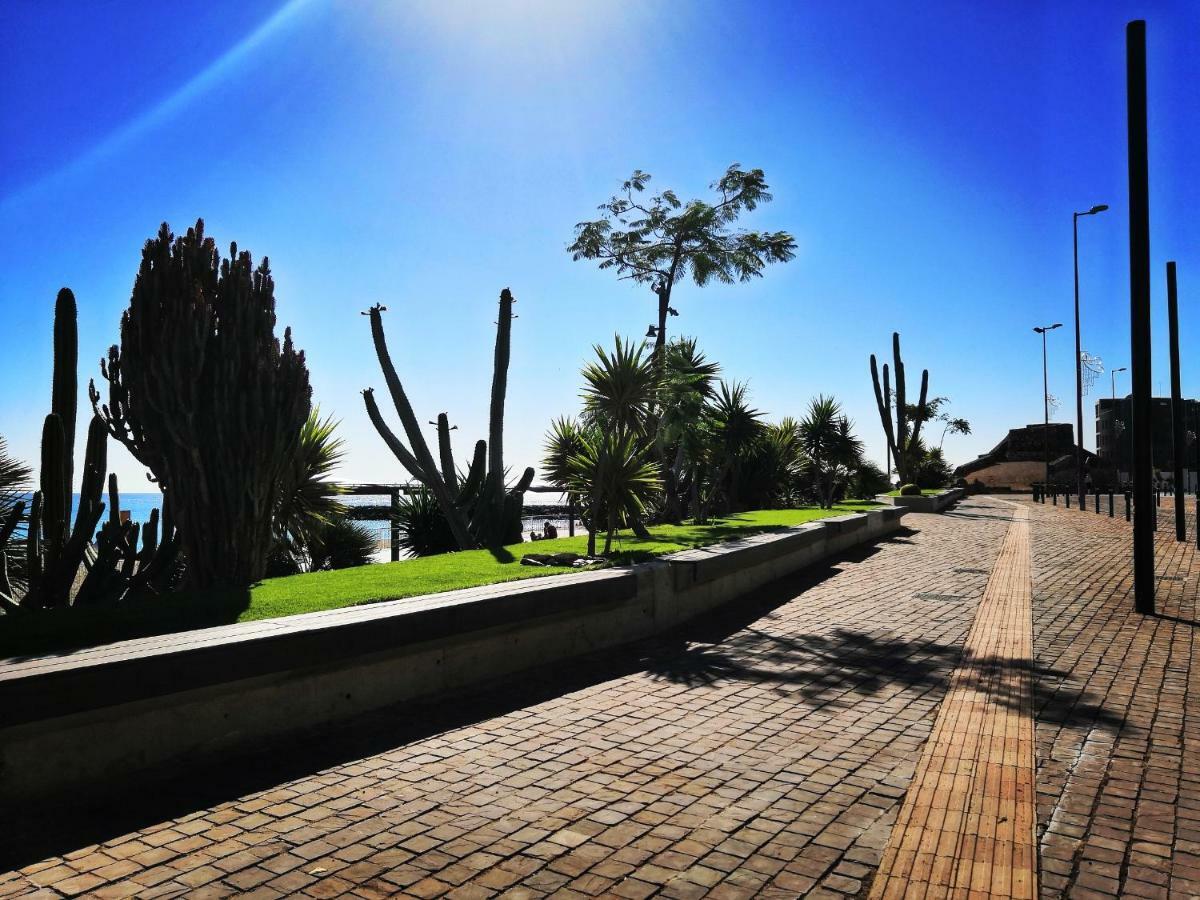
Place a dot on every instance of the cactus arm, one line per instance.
(446, 453)
(389, 437)
(7, 602)
(885, 414)
(916, 435)
(33, 549)
(902, 436)
(427, 473)
(64, 396)
(474, 479)
(114, 501)
(9, 525)
(499, 391)
(526, 480)
(53, 474)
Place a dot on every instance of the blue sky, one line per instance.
(426, 154)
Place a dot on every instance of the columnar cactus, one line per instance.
(903, 439)
(56, 548)
(483, 512)
(204, 395)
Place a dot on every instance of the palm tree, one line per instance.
(14, 484)
(833, 451)
(614, 471)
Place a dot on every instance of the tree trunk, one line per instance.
(592, 526)
(612, 526)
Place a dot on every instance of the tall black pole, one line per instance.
(1139, 317)
(1078, 368)
(1178, 425)
(1045, 407)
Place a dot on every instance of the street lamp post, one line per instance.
(1099, 208)
(1046, 398)
(1113, 373)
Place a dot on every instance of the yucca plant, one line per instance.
(614, 471)
(834, 452)
(687, 383)
(619, 387)
(15, 480)
(308, 498)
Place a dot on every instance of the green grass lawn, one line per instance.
(53, 630)
(925, 492)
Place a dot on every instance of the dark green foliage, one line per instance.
(932, 471)
(14, 483)
(662, 240)
(833, 451)
(485, 510)
(308, 498)
(904, 438)
(341, 544)
(910, 490)
(423, 528)
(203, 394)
(868, 481)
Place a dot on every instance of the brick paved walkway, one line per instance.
(967, 823)
(765, 752)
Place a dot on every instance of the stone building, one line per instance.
(1019, 460)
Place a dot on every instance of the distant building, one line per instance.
(1019, 460)
(1114, 441)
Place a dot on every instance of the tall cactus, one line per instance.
(64, 392)
(904, 438)
(55, 548)
(482, 512)
(204, 394)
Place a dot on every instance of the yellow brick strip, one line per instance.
(966, 827)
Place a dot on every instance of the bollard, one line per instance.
(1097, 496)
(1157, 497)
(1067, 494)
(1127, 505)
(1054, 497)
(1110, 504)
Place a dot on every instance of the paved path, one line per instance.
(967, 823)
(766, 752)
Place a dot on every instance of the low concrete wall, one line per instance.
(91, 720)
(930, 503)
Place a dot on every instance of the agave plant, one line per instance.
(422, 526)
(833, 450)
(614, 471)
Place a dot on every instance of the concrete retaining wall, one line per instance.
(930, 503)
(92, 720)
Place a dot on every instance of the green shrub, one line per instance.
(910, 490)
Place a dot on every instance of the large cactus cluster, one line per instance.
(904, 438)
(56, 549)
(204, 395)
(480, 508)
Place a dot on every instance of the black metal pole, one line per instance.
(1139, 316)
(1179, 443)
(1078, 367)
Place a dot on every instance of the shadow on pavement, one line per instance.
(849, 662)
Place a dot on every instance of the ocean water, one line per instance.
(139, 506)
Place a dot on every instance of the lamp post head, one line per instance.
(1098, 208)
(1048, 328)
(1122, 369)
